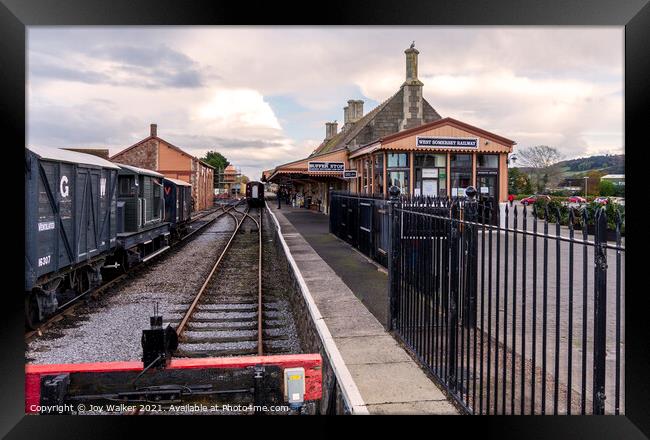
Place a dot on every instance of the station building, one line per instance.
(157, 154)
(402, 142)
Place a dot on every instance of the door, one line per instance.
(488, 196)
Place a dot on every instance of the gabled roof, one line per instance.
(342, 138)
(169, 144)
(447, 121)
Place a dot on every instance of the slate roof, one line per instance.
(343, 137)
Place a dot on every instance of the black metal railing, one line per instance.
(521, 315)
(362, 221)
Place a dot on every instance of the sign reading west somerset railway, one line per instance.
(447, 142)
(326, 166)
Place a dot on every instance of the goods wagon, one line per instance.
(178, 204)
(142, 231)
(70, 224)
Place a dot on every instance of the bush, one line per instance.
(556, 207)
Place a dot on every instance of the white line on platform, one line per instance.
(349, 388)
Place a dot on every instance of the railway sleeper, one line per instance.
(227, 336)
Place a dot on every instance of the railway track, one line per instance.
(230, 314)
(198, 223)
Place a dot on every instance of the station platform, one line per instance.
(349, 294)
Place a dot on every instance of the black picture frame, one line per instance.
(16, 15)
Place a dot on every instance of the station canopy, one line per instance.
(300, 170)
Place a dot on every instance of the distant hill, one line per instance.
(606, 163)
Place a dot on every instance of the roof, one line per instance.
(343, 137)
(169, 144)
(137, 170)
(613, 176)
(100, 152)
(178, 182)
(447, 121)
(61, 155)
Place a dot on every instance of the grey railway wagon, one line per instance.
(69, 213)
(140, 199)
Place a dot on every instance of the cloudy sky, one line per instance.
(261, 95)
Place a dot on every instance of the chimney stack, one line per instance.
(412, 65)
(154, 129)
(358, 109)
(346, 115)
(354, 109)
(331, 129)
(412, 91)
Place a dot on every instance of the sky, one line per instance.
(261, 95)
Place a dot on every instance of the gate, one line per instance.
(521, 316)
(361, 221)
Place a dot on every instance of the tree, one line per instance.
(518, 182)
(542, 160)
(218, 161)
(607, 188)
(593, 182)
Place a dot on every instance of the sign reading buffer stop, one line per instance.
(326, 166)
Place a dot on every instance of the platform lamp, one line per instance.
(586, 181)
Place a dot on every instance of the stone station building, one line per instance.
(402, 142)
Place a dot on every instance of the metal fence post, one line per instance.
(471, 266)
(453, 296)
(393, 257)
(600, 310)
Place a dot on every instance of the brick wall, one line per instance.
(144, 155)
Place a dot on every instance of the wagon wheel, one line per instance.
(83, 280)
(32, 315)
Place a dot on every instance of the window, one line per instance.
(367, 171)
(461, 161)
(431, 160)
(430, 175)
(398, 172)
(487, 161)
(126, 186)
(378, 180)
(398, 160)
(460, 173)
(399, 179)
(157, 198)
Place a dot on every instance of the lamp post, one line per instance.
(586, 180)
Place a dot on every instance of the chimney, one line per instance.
(411, 65)
(412, 91)
(330, 129)
(354, 110)
(358, 109)
(154, 129)
(346, 115)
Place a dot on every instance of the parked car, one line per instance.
(601, 200)
(532, 199)
(576, 199)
